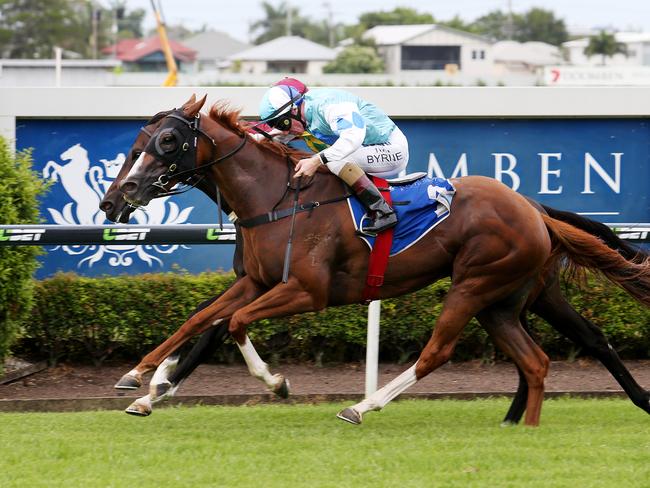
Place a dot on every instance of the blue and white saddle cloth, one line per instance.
(420, 205)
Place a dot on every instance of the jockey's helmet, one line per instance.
(280, 98)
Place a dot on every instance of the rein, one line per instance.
(272, 216)
(275, 215)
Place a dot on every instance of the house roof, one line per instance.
(131, 50)
(387, 35)
(625, 37)
(286, 48)
(215, 45)
(531, 53)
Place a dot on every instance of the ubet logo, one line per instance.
(125, 234)
(633, 233)
(217, 235)
(21, 234)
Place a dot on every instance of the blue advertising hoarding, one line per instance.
(600, 168)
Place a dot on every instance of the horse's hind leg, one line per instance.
(456, 313)
(518, 405)
(502, 323)
(554, 308)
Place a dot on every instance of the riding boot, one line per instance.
(382, 215)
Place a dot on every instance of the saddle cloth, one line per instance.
(420, 205)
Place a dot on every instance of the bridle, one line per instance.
(190, 175)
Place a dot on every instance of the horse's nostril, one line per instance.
(105, 206)
(128, 187)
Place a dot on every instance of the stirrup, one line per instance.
(373, 233)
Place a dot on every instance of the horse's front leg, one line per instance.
(282, 300)
(238, 295)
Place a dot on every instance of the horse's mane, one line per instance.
(229, 118)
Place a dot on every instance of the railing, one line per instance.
(41, 235)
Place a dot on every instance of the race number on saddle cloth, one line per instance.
(420, 206)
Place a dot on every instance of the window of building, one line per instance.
(429, 57)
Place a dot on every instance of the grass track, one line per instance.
(581, 443)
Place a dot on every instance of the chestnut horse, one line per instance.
(497, 306)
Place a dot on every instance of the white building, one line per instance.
(524, 57)
(431, 47)
(286, 55)
(638, 51)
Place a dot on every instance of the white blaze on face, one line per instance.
(137, 165)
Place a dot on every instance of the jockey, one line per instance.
(350, 136)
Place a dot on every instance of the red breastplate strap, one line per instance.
(380, 251)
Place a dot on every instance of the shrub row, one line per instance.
(81, 319)
(19, 188)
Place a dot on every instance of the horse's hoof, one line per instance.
(508, 423)
(283, 389)
(128, 382)
(139, 409)
(350, 415)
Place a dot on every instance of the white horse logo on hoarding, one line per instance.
(86, 185)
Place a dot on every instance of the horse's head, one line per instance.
(170, 156)
(116, 208)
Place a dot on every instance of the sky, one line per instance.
(235, 16)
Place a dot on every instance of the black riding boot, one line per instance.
(382, 215)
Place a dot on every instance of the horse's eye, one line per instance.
(135, 155)
(168, 142)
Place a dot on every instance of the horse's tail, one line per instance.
(586, 250)
(603, 232)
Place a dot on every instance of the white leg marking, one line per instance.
(135, 373)
(381, 397)
(161, 376)
(163, 371)
(257, 367)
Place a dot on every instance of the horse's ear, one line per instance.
(190, 101)
(192, 109)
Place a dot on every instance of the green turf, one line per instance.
(581, 443)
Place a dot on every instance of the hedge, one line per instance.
(81, 319)
(19, 188)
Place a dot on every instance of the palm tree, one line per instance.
(606, 45)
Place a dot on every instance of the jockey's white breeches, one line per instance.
(384, 160)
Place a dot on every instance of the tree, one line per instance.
(606, 45)
(540, 25)
(535, 25)
(284, 20)
(495, 25)
(398, 16)
(31, 28)
(356, 59)
(130, 25)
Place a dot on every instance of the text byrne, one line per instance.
(550, 171)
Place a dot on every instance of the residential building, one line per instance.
(148, 55)
(287, 55)
(431, 47)
(213, 49)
